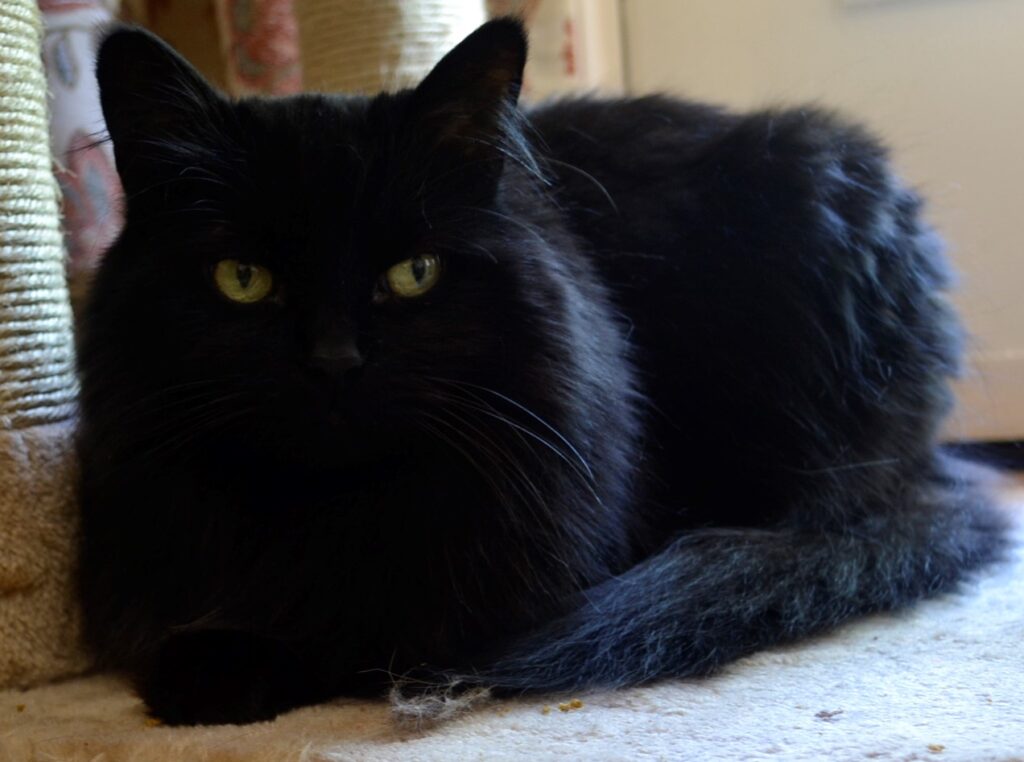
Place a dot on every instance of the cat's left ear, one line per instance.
(160, 113)
(467, 103)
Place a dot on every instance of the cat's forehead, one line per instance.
(307, 138)
(321, 168)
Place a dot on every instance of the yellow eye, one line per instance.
(242, 282)
(415, 276)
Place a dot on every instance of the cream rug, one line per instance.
(942, 682)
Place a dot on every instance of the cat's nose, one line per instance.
(335, 357)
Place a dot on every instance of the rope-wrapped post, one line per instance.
(365, 46)
(38, 618)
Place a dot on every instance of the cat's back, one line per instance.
(757, 259)
(625, 134)
(624, 159)
(650, 174)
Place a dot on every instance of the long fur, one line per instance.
(674, 398)
(712, 594)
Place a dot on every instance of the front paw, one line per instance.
(217, 677)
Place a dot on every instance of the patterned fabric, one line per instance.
(260, 39)
(85, 165)
(53, 6)
(552, 68)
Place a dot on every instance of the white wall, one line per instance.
(941, 80)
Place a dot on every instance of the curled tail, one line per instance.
(713, 595)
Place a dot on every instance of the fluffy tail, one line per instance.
(713, 595)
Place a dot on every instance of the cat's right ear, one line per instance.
(466, 106)
(160, 112)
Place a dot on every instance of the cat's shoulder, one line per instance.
(620, 127)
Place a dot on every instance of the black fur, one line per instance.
(675, 397)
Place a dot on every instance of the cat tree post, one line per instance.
(38, 619)
(365, 46)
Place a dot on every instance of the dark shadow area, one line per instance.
(1004, 455)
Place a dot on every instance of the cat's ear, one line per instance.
(159, 110)
(467, 104)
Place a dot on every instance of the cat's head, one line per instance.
(325, 274)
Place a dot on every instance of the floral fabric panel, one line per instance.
(84, 159)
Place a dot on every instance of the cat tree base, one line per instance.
(39, 618)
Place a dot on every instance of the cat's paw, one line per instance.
(220, 677)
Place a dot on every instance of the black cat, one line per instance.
(425, 384)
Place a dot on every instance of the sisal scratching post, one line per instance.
(38, 620)
(365, 46)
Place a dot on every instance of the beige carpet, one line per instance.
(942, 682)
